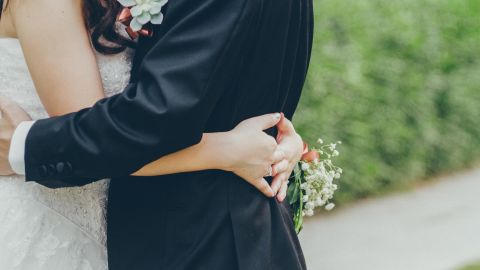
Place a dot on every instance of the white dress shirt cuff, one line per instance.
(16, 155)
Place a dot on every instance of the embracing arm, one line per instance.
(106, 141)
(165, 111)
(58, 53)
(60, 59)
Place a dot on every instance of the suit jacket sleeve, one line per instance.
(181, 80)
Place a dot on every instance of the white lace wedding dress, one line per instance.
(41, 228)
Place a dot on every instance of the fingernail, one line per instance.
(277, 116)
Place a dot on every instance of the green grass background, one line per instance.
(471, 267)
(398, 81)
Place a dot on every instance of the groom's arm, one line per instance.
(182, 78)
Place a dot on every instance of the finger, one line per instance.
(280, 133)
(282, 194)
(263, 186)
(278, 181)
(280, 167)
(4, 102)
(284, 126)
(278, 156)
(276, 185)
(279, 136)
(265, 121)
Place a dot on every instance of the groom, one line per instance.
(210, 65)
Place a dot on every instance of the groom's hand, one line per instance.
(11, 115)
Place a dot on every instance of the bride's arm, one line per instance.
(244, 151)
(63, 66)
(57, 49)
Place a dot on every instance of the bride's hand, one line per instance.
(246, 150)
(250, 152)
(291, 144)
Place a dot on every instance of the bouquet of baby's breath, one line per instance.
(313, 184)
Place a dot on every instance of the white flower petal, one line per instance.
(136, 11)
(144, 18)
(305, 166)
(127, 3)
(155, 9)
(329, 206)
(157, 18)
(162, 2)
(146, 7)
(135, 25)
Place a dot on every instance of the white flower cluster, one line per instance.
(144, 11)
(318, 185)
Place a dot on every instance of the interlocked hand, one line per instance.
(291, 144)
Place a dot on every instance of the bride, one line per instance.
(48, 67)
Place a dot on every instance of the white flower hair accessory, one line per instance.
(138, 14)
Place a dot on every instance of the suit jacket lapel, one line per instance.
(144, 44)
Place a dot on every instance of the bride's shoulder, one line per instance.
(42, 10)
(44, 15)
(12, 7)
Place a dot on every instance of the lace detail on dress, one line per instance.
(115, 70)
(41, 228)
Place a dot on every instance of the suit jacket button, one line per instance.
(51, 170)
(60, 167)
(43, 171)
(68, 168)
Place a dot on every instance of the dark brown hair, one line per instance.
(100, 18)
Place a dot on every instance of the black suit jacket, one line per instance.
(210, 65)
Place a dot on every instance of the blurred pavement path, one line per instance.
(435, 227)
